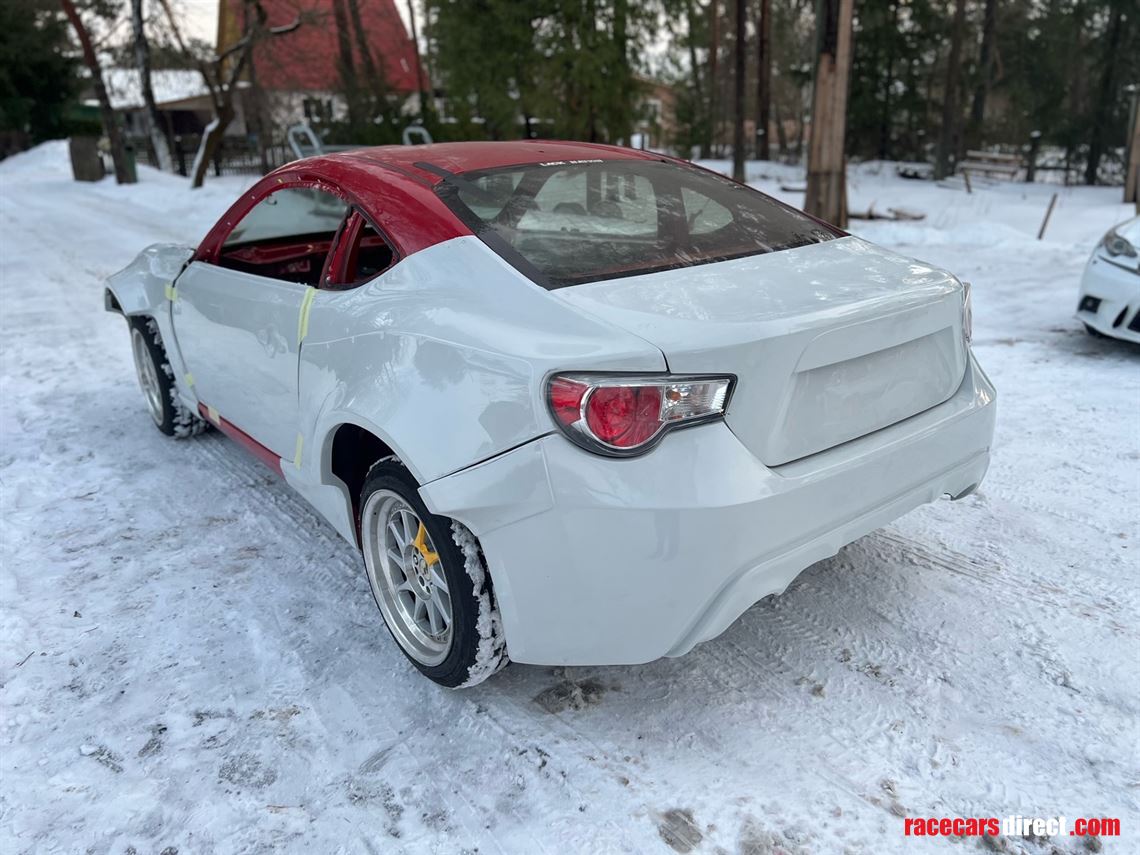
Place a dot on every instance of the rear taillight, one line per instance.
(624, 415)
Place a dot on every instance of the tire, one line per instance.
(429, 581)
(1094, 332)
(156, 381)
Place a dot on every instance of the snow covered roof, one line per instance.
(170, 85)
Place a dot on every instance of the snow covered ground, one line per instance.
(191, 661)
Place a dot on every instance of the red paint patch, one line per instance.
(243, 439)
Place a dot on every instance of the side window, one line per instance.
(366, 255)
(287, 235)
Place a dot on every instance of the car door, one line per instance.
(238, 316)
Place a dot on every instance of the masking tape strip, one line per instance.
(213, 414)
(297, 452)
(171, 292)
(303, 320)
(189, 379)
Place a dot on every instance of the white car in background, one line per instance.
(575, 404)
(1109, 302)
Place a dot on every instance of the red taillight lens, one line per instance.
(566, 399)
(624, 415)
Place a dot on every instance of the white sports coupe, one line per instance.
(575, 404)
(1109, 301)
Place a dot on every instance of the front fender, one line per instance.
(140, 288)
(146, 287)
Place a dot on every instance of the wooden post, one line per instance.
(1048, 214)
(826, 195)
(1132, 173)
(1031, 158)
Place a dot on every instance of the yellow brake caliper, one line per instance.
(420, 543)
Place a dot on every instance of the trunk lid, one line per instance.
(829, 342)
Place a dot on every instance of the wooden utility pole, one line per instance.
(826, 196)
(764, 80)
(110, 123)
(738, 94)
(948, 134)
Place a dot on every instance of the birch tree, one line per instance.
(158, 139)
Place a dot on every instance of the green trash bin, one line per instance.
(132, 163)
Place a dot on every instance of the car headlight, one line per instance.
(1115, 245)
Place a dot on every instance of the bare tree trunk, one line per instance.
(158, 140)
(985, 72)
(886, 114)
(948, 134)
(110, 122)
(764, 80)
(714, 51)
(419, 62)
(221, 77)
(1104, 99)
(698, 92)
(826, 195)
(738, 94)
(781, 131)
(373, 81)
(1132, 170)
(346, 66)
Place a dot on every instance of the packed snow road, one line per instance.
(191, 660)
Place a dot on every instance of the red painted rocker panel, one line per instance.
(243, 439)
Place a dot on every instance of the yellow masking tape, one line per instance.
(303, 320)
(171, 292)
(212, 413)
(189, 379)
(297, 453)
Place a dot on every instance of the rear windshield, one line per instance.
(572, 222)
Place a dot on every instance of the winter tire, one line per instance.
(429, 580)
(156, 380)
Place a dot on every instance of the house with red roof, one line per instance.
(299, 72)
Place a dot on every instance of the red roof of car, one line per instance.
(460, 157)
(400, 196)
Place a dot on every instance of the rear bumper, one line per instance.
(1109, 293)
(601, 561)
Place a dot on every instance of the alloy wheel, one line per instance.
(407, 577)
(148, 376)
